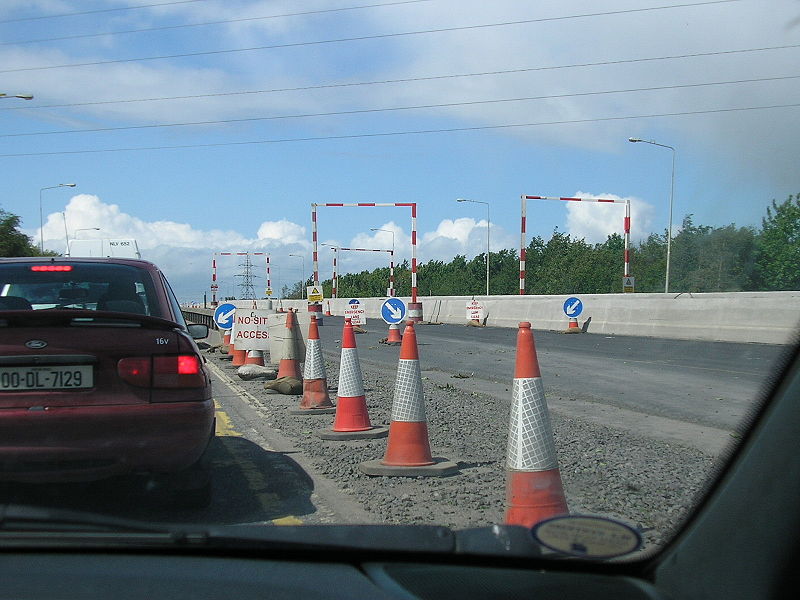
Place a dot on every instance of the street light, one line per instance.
(487, 235)
(303, 282)
(21, 96)
(671, 193)
(41, 216)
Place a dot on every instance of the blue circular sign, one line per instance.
(573, 307)
(393, 310)
(224, 315)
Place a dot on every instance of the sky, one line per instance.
(203, 126)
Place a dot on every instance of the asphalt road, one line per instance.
(706, 383)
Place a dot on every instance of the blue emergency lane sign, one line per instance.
(224, 314)
(393, 310)
(573, 307)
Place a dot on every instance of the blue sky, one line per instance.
(486, 67)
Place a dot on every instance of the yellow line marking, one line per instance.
(224, 423)
(290, 520)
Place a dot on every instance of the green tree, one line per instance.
(12, 241)
(778, 246)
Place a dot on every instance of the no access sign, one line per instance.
(251, 330)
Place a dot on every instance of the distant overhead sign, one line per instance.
(223, 315)
(573, 307)
(355, 311)
(393, 310)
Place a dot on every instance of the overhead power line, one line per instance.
(99, 10)
(207, 23)
(349, 39)
(396, 108)
(402, 133)
(409, 79)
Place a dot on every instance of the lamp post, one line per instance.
(303, 282)
(41, 216)
(488, 226)
(671, 193)
(391, 262)
(20, 96)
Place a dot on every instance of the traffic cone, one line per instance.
(289, 365)
(239, 357)
(573, 326)
(315, 382)
(408, 452)
(352, 419)
(254, 357)
(394, 335)
(328, 309)
(534, 491)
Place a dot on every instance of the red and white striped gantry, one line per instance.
(414, 307)
(334, 286)
(626, 229)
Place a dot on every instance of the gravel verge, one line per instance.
(648, 483)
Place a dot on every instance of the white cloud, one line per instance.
(283, 231)
(595, 221)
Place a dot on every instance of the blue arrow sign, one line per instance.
(393, 310)
(573, 307)
(223, 316)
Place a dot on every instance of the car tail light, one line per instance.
(53, 268)
(181, 371)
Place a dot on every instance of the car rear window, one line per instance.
(89, 286)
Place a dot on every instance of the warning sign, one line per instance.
(355, 311)
(475, 311)
(628, 284)
(251, 330)
(314, 293)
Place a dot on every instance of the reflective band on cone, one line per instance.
(254, 357)
(315, 381)
(408, 451)
(415, 312)
(352, 419)
(534, 491)
(289, 365)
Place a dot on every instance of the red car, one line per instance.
(100, 376)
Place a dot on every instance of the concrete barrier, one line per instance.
(762, 317)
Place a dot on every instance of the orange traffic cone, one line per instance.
(408, 451)
(573, 326)
(352, 419)
(394, 335)
(315, 381)
(254, 357)
(534, 491)
(289, 365)
(328, 309)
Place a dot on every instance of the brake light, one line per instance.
(181, 371)
(49, 268)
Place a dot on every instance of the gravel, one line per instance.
(647, 483)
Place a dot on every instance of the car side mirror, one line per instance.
(198, 331)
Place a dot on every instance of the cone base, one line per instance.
(408, 445)
(441, 467)
(533, 496)
(341, 436)
(325, 410)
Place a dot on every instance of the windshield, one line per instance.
(463, 263)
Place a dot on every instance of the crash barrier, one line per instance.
(763, 317)
(534, 490)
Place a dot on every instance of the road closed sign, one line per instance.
(251, 330)
(355, 311)
(475, 311)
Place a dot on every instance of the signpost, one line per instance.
(355, 311)
(223, 316)
(573, 307)
(628, 285)
(475, 311)
(251, 330)
(393, 311)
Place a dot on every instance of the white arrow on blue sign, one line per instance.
(223, 316)
(393, 310)
(573, 307)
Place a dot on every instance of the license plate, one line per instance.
(46, 378)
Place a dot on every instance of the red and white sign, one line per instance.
(251, 329)
(356, 312)
(475, 311)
